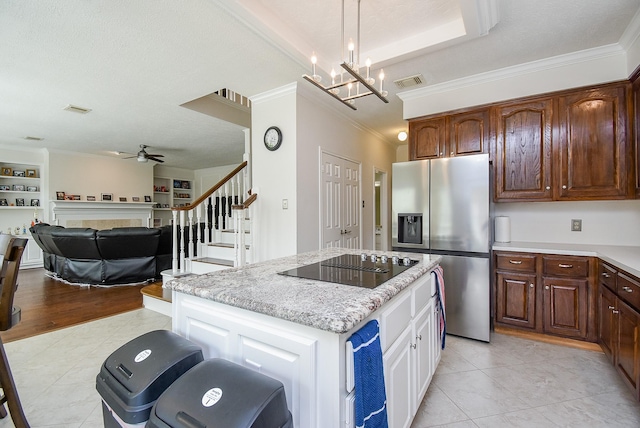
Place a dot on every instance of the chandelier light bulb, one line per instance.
(402, 135)
(351, 48)
(314, 60)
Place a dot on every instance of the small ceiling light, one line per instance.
(402, 135)
(30, 138)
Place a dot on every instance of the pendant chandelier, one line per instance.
(347, 89)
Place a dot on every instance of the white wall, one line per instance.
(322, 128)
(603, 222)
(274, 174)
(83, 174)
(292, 172)
(206, 178)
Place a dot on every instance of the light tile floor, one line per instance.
(510, 382)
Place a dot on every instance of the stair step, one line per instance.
(214, 261)
(225, 245)
(157, 291)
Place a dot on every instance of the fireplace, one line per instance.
(101, 215)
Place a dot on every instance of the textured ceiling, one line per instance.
(135, 62)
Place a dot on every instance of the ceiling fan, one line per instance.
(143, 156)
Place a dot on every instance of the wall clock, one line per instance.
(273, 138)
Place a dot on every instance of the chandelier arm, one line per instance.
(361, 80)
(310, 79)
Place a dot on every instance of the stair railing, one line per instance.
(216, 206)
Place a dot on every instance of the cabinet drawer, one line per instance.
(607, 275)
(629, 290)
(395, 318)
(565, 266)
(516, 261)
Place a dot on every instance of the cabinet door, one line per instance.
(523, 151)
(469, 133)
(628, 351)
(423, 352)
(565, 306)
(593, 144)
(427, 138)
(636, 126)
(607, 321)
(516, 299)
(398, 379)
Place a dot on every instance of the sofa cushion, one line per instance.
(76, 242)
(127, 242)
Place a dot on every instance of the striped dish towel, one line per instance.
(370, 398)
(440, 294)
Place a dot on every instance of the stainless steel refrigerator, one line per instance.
(442, 206)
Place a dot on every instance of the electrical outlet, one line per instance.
(576, 225)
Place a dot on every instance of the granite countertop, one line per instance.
(327, 306)
(626, 258)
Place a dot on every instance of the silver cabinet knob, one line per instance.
(606, 275)
(564, 186)
(546, 287)
(548, 188)
(616, 312)
(627, 289)
(531, 285)
(451, 153)
(611, 307)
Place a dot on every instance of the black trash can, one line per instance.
(133, 377)
(220, 394)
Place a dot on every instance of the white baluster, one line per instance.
(198, 230)
(174, 250)
(192, 242)
(182, 257)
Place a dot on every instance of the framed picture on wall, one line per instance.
(31, 173)
(19, 202)
(5, 187)
(3, 203)
(135, 198)
(35, 202)
(60, 196)
(107, 197)
(147, 198)
(7, 171)
(123, 199)
(91, 198)
(18, 187)
(18, 173)
(32, 188)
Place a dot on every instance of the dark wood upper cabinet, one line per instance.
(593, 127)
(469, 133)
(456, 134)
(523, 150)
(427, 138)
(636, 127)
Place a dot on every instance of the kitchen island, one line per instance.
(296, 331)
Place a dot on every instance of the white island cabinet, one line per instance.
(296, 331)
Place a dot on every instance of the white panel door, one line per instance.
(340, 202)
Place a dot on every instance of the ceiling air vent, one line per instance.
(77, 109)
(407, 82)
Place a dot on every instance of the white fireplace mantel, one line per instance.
(63, 212)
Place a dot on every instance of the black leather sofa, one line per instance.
(104, 257)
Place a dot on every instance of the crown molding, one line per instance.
(516, 71)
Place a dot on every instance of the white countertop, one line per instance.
(327, 306)
(626, 258)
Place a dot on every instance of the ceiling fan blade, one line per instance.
(153, 158)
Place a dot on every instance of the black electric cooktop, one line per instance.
(352, 269)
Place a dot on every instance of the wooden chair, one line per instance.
(10, 316)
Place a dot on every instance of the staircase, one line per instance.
(220, 220)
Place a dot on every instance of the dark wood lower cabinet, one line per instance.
(516, 299)
(607, 322)
(550, 294)
(565, 307)
(619, 324)
(628, 358)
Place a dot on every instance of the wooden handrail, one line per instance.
(251, 199)
(213, 189)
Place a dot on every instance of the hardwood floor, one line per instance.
(49, 305)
